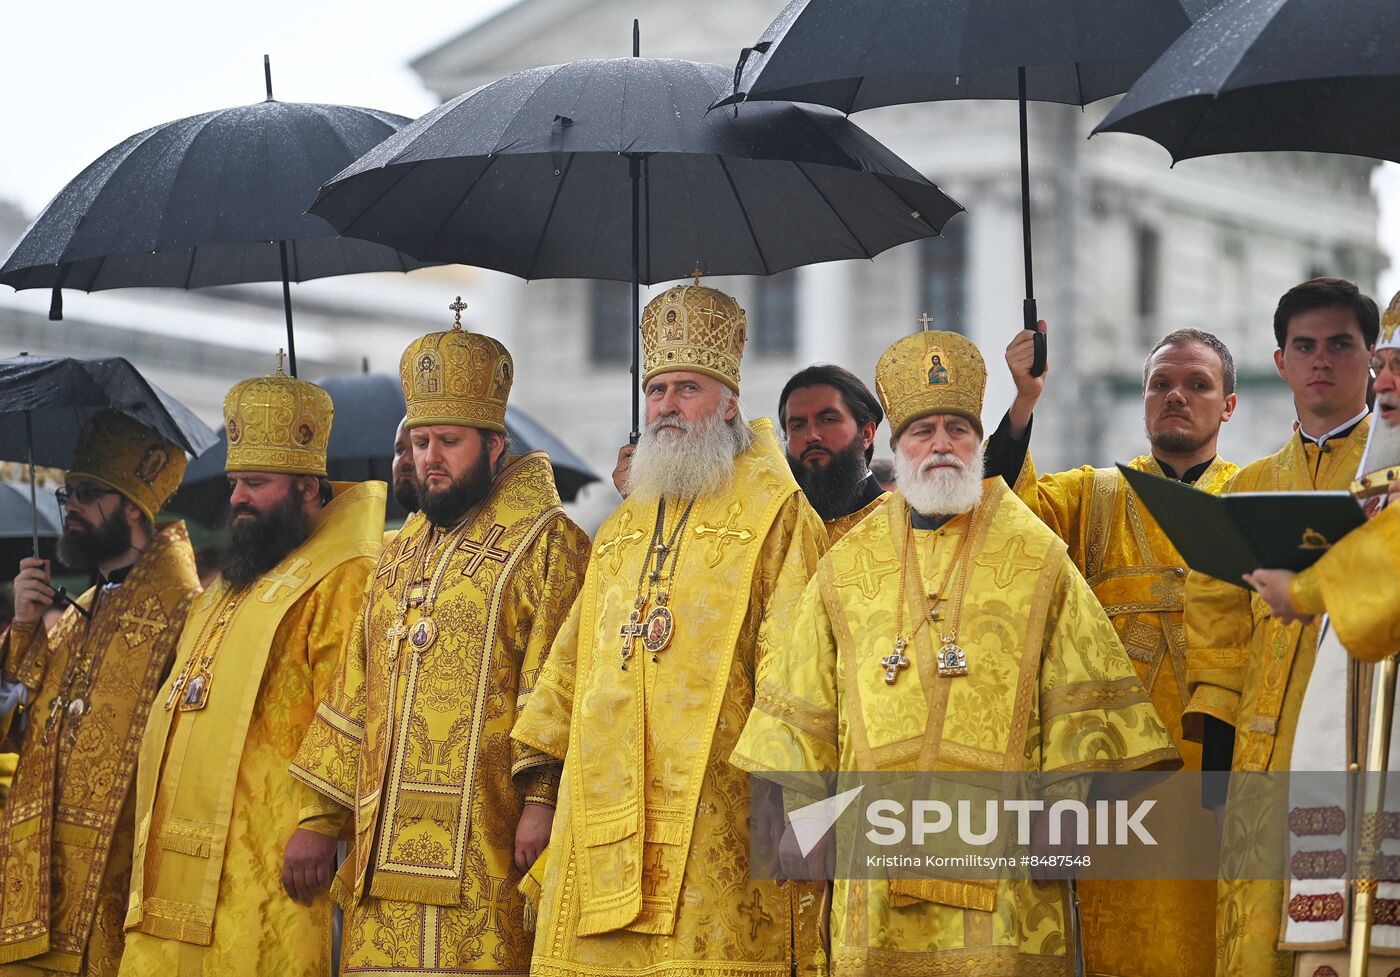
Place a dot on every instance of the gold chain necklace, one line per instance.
(424, 632)
(79, 667)
(951, 659)
(191, 687)
(659, 624)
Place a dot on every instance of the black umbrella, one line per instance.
(544, 173)
(368, 407)
(18, 532)
(861, 54)
(212, 199)
(46, 400)
(1261, 75)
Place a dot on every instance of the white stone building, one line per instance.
(1127, 248)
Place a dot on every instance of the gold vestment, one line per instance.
(65, 841)
(215, 807)
(841, 525)
(1135, 927)
(1048, 689)
(1355, 583)
(415, 743)
(1247, 669)
(648, 869)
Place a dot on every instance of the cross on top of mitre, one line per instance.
(457, 307)
(697, 272)
(925, 321)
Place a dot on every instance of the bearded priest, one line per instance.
(949, 631)
(412, 742)
(211, 890)
(691, 583)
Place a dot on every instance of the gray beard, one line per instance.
(1382, 445)
(697, 461)
(939, 493)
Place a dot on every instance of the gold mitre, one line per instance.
(278, 424)
(931, 373)
(126, 455)
(456, 377)
(1390, 326)
(696, 328)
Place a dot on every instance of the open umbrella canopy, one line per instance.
(861, 54)
(368, 407)
(203, 201)
(54, 396)
(1262, 75)
(532, 175)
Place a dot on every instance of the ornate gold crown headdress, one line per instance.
(456, 377)
(696, 328)
(931, 372)
(126, 455)
(278, 423)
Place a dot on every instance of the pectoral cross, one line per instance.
(895, 662)
(629, 633)
(484, 550)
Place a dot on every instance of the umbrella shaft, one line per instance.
(1025, 187)
(287, 310)
(634, 168)
(33, 491)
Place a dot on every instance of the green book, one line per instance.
(1230, 535)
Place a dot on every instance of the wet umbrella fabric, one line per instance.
(368, 407)
(213, 199)
(530, 175)
(1263, 75)
(861, 54)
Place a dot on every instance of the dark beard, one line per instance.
(406, 494)
(833, 488)
(95, 546)
(1176, 442)
(256, 546)
(445, 507)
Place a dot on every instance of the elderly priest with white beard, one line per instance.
(690, 586)
(949, 631)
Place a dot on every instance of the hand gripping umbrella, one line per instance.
(861, 54)
(544, 173)
(1261, 75)
(212, 199)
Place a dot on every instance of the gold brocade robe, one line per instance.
(65, 841)
(1140, 927)
(417, 746)
(648, 868)
(214, 805)
(1048, 689)
(841, 525)
(1355, 584)
(1248, 669)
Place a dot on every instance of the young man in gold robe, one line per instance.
(226, 874)
(1247, 672)
(413, 740)
(1140, 579)
(690, 584)
(949, 631)
(66, 835)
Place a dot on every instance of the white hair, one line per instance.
(696, 460)
(940, 491)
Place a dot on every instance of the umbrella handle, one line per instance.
(1029, 319)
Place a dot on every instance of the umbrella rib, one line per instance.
(442, 228)
(724, 168)
(544, 232)
(839, 216)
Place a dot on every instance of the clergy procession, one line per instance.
(429, 721)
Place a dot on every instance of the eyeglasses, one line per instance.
(83, 494)
(1384, 361)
